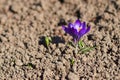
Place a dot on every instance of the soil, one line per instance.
(25, 23)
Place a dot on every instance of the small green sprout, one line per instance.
(47, 41)
(70, 44)
(72, 61)
(30, 65)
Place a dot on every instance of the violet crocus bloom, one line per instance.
(76, 30)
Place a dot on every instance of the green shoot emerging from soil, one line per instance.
(47, 41)
(72, 61)
(30, 65)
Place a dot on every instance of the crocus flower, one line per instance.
(76, 30)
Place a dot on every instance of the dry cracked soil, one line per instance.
(25, 23)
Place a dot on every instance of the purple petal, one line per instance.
(81, 33)
(88, 29)
(83, 30)
(73, 32)
(77, 24)
(83, 25)
(70, 25)
(65, 29)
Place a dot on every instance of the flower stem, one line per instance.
(76, 49)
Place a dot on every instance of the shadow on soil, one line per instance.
(55, 40)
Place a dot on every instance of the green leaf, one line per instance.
(87, 49)
(31, 65)
(81, 44)
(47, 41)
(70, 44)
(72, 61)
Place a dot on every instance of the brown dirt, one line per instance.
(24, 23)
